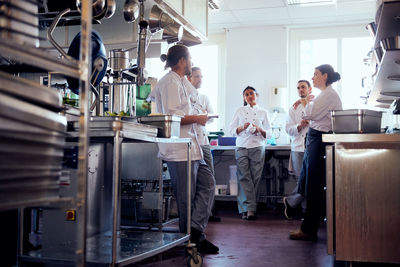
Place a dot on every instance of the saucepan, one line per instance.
(99, 8)
(111, 6)
(131, 10)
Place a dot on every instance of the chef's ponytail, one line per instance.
(333, 76)
(175, 53)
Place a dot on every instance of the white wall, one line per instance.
(255, 56)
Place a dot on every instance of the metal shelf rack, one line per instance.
(77, 69)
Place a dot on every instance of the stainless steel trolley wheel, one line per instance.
(192, 263)
(195, 259)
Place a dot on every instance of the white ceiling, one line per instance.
(246, 13)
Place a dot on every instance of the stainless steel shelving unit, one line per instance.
(387, 83)
(78, 69)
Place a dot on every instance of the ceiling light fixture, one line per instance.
(307, 2)
(213, 5)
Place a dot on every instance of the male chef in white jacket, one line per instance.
(297, 129)
(172, 95)
(201, 104)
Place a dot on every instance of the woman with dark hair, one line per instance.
(317, 111)
(250, 124)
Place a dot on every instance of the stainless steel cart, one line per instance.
(106, 243)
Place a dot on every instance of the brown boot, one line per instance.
(300, 235)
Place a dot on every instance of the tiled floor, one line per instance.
(263, 242)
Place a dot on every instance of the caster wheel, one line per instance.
(192, 261)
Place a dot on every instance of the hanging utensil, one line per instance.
(131, 10)
(111, 6)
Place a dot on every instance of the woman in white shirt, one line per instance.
(250, 124)
(317, 111)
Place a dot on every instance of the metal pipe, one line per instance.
(21, 234)
(51, 30)
(141, 57)
(189, 177)
(96, 102)
(84, 83)
(116, 190)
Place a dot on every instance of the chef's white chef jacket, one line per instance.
(256, 115)
(318, 111)
(297, 138)
(201, 105)
(172, 96)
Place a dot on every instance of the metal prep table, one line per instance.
(279, 152)
(107, 244)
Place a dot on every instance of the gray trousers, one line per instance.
(202, 192)
(250, 164)
(208, 157)
(295, 198)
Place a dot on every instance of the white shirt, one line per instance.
(172, 95)
(318, 111)
(256, 115)
(293, 120)
(201, 105)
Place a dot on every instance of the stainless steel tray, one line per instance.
(19, 22)
(356, 121)
(168, 125)
(127, 125)
(30, 91)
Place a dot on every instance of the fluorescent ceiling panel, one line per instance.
(303, 2)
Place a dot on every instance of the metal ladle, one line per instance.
(131, 10)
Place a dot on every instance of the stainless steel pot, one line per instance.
(111, 6)
(131, 10)
(98, 8)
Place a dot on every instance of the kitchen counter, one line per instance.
(357, 138)
(363, 197)
(267, 147)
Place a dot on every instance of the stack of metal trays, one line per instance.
(32, 138)
(107, 126)
(19, 21)
(168, 125)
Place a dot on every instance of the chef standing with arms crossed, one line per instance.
(296, 127)
(172, 95)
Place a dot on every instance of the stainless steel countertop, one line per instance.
(267, 147)
(360, 138)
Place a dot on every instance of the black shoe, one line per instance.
(213, 218)
(289, 211)
(300, 235)
(206, 247)
(244, 215)
(251, 216)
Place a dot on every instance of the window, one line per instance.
(343, 48)
(206, 57)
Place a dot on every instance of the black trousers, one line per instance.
(313, 181)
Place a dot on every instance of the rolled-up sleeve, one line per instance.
(291, 124)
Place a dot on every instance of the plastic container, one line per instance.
(143, 91)
(226, 141)
(221, 189)
(233, 182)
